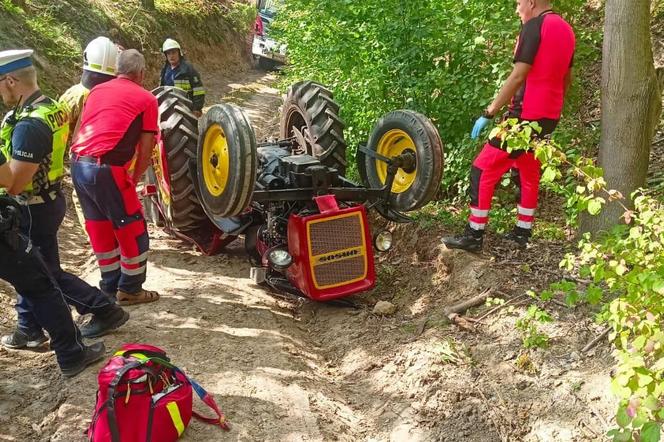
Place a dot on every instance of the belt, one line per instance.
(87, 159)
(95, 160)
(36, 199)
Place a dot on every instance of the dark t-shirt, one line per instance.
(3, 160)
(32, 141)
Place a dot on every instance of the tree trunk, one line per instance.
(631, 105)
(148, 4)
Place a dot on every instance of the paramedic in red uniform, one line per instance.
(119, 123)
(535, 91)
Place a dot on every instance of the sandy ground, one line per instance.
(291, 370)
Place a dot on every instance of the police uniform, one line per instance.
(22, 266)
(36, 132)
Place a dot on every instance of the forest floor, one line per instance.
(290, 369)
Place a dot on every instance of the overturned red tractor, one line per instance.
(304, 224)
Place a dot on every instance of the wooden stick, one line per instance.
(590, 345)
(493, 310)
(461, 307)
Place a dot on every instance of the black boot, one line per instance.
(519, 235)
(470, 240)
(90, 355)
(19, 339)
(101, 324)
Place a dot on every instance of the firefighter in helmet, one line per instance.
(180, 73)
(100, 60)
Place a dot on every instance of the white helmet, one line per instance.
(101, 55)
(171, 44)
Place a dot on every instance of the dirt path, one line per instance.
(292, 370)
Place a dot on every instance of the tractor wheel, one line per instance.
(399, 132)
(310, 110)
(179, 135)
(227, 161)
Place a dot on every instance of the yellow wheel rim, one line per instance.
(215, 160)
(393, 143)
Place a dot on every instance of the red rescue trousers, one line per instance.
(115, 223)
(487, 170)
(489, 167)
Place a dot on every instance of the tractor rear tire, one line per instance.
(227, 161)
(179, 133)
(396, 133)
(311, 109)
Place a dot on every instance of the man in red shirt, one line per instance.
(118, 116)
(535, 91)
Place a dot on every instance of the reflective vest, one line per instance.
(73, 100)
(51, 169)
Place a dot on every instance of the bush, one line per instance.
(444, 58)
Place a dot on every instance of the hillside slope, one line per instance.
(58, 31)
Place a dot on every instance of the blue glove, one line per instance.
(480, 124)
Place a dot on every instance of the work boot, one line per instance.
(100, 324)
(90, 355)
(20, 339)
(519, 235)
(471, 240)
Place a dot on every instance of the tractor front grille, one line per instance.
(337, 250)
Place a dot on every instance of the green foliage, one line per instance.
(628, 264)
(451, 352)
(59, 30)
(531, 335)
(444, 58)
(241, 16)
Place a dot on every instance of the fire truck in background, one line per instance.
(267, 52)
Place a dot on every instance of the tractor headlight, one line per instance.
(383, 241)
(279, 259)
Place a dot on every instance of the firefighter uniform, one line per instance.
(99, 66)
(183, 76)
(36, 132)
(115, 115)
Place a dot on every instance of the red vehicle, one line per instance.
(304, 224)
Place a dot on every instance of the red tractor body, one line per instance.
(304, 224)
(332, 251)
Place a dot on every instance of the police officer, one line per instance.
(33, 136)
(535, 91)
(181, 74)
(22, 266)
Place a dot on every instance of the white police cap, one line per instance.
(15, 59)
